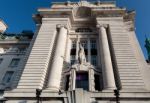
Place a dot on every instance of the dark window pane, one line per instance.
(14, 62)
(82, 81)
(93, 52)
(72, 59)
(84, 44)
(93, 44)
(73, 46)
(97, 82)
(7, 77)
(73, 51)
(86, 51)
(94, 60)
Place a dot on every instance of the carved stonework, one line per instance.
(58, 26)
(81, 58)
(82, 11)
(83, 3)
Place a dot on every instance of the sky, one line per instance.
(17, 14)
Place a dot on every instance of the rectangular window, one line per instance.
(73, 59)
(14, 62)
(82, 81)
(84, 44)
(93, 44)
(94, 60)
(73, 44)
(1, 60)
(7, 77)
(22, 50)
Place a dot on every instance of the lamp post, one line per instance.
(38, 93)
(116, 93)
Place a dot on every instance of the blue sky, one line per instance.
(17, 14)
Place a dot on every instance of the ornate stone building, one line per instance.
(80, 53)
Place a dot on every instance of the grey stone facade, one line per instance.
(52, 62)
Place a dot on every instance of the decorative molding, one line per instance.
(102, 25)
(58, 26)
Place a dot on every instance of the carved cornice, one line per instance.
(59, 26)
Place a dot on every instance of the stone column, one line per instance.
(57, 63)
(91, 80)
(107, 69)
(77, 48)
(68, 50)
(73, 79)
(89, 51)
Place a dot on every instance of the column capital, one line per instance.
(102, 25)
(58, 26)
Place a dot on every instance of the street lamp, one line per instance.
(116, 93)
(38, 93)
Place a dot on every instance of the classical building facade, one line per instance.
(80, 53)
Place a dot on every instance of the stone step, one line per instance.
(28, 87)
(129, 70)
(125, 59)
(33, 81)
(133, 87)
(127, 64)
(130, 75)
(133, 84)
(29, 84)
(32, 75)
(35, 67)
(130, 78)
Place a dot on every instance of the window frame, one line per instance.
(14, 64)
(8, 75)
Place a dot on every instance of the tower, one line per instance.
(80, 53)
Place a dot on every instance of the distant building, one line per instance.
(3, 26)
(81, 52)
(13, 48)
